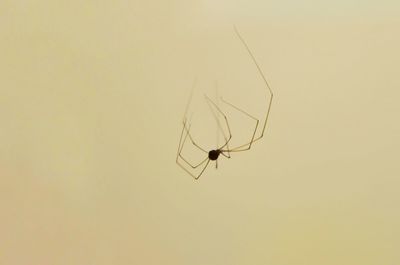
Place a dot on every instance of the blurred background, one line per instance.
(92, 95)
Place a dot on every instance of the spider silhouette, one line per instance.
(223, 149)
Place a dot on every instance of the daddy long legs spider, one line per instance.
(223, 149)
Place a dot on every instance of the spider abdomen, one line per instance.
(213, 154)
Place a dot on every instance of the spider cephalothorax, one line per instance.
(214, 154)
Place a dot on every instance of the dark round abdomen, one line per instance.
(213, 154)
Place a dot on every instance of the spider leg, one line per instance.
(191, 139)
(182, 145)
(198, 176)
(215, 115)
(217, 118)
(271, 95)
(222, 131)
(217, 131)
(192, 166)
(179, 155)
(227, 156)
(190, 173)
(238, 149)
(184, 128)
(180, 138)
(227, 139)
(182, 141)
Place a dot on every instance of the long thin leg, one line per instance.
(184, 119)
(182, 140)
(203, 169)
(254, 132)
(180, 145)
(218, 122)
(180, 151)
(193, 166)
(179, 155)
(266, 84)
(217, 132)
(190, 173)
(217, 100)
(223, 133)
(226, 121)
(193, 142)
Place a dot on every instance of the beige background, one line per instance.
(91, 100)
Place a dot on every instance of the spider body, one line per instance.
(214, 154)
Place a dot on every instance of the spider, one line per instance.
(224, 149)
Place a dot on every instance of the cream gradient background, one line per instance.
(91, 101)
